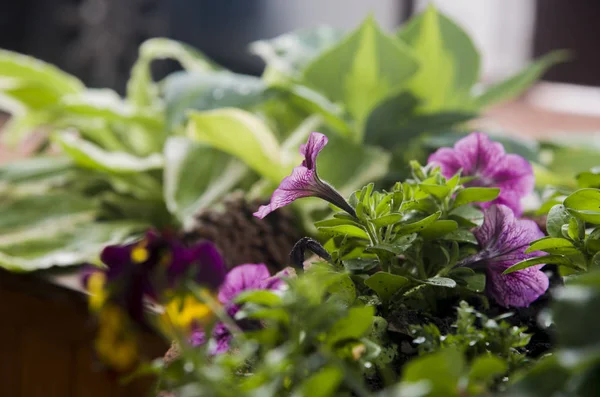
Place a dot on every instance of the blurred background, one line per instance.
(97, 40)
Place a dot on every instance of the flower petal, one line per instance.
(479, 153)
(503, 240)
(301, 183)
(478, 156)
(310, 150)
(212, 267)
(501, 233)
(448, 160)
(276, 281)
(242, 278)
(518, 289)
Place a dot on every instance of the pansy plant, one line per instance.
(447, 226)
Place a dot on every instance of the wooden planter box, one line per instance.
(46, 340)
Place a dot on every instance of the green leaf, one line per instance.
(461, 235)
(59, 245)
(196, 176)
(29, 94)
(418, 226)
(259, 297)
(592, 242)
(140, 90)
(553, 245)
(33, 71)
(476, 195)
(588, 179)
(290, 52)
(440, 282)
(345, 230)
(386, 284)
(30, 213)
(359, 265)
(517, 84)
(476, 282)
(395, 248)
(557, 217)
(585, 205)
(242, 135)
(313, 102)
(34, 169)
(207, 91)
(353, 326)
(387, 220)
(546, 259)
(487, 367)
(438, 191)
(343, 292)
(89, 155)
(439, 229)
(109, 106)
(467, 216)
(336, 222)
(449, 59)
(362, 69)
(576, 229)
(441, 370)
(322, 384)
(396, 120)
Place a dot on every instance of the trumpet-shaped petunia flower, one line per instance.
(239, 279)
(478, 157)
(304, 181)
(503, 240)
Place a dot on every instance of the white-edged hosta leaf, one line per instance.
(185, 91)
(195, 175)
(34, 169)
(108, 105)
(22, 67)
(88, 155)
(141, 90)
(242, 135)
(362, 69)
(21, 213)
(348, 166)
(290, 52)
(64, 246)
(449, 60)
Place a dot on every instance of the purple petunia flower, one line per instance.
(479, 157)
(147, 267)
(239, 279)
(304, 181)
(503, 240)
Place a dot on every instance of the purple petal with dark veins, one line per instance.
(503, 240)
(477, 156)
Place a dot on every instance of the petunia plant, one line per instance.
(430, 231)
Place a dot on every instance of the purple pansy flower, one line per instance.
(503, 240)
(148, 267)
(479, 157)
(304, 181)
(239, 279)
